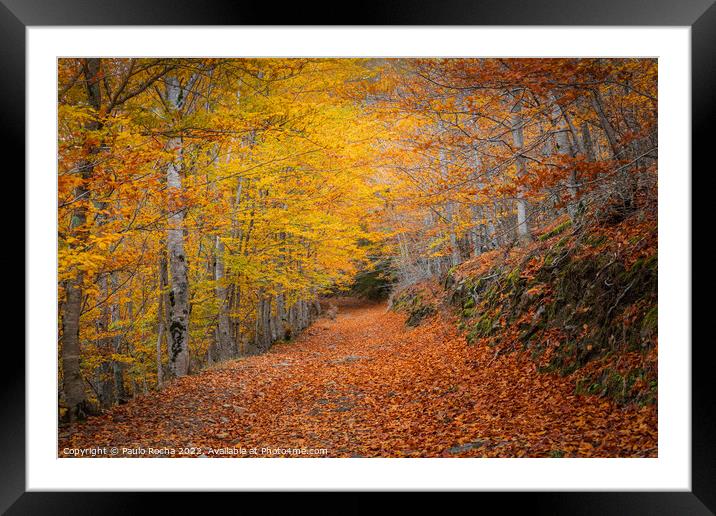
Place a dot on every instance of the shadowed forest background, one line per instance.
(374, 257)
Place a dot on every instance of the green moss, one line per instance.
(415, 306)
(623, 388)
(650, 321)
(595, 240)
(652, 263)
(556, 231)
(484, 325)
(513, 277)
(651, 395)
(556, 253)
(642, 267)
(585, 386)
(482, 328)
(418, 314)
(615, 385)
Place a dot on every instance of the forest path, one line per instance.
(366, 385)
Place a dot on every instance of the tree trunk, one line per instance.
(587, 142)
(598, 105)
(479, 230)
(223, 333)
(179, 281)
(162, 311)
(262, 336)
(280, 321)
(523, 232)
(291, 318)
(105, 378)
(117, 367)
(72, 381)
(564, 148)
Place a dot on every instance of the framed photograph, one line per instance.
(444, 248)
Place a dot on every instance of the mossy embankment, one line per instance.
(418, 301)
(581, 301)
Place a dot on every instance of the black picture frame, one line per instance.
(700, 15)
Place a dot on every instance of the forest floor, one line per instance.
(366, 385)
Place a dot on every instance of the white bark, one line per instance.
(178, 335)
(518, 142)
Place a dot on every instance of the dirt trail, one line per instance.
(365, 385)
